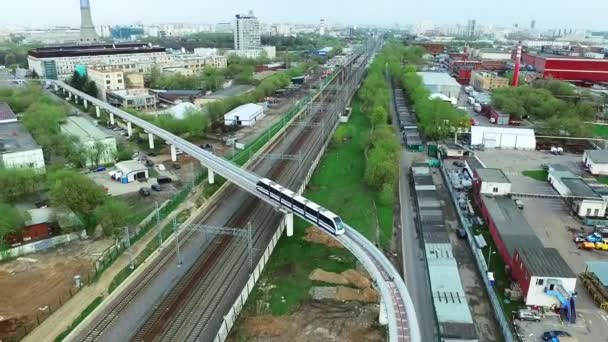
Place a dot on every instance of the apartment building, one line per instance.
(247, 32)
(485, 81)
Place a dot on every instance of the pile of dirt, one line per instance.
(346, 294)
(328, 277)
(357, 279)
(268, 326)
(313, 322)
(315, 235)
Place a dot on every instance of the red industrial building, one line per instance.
(567, 68)
(433, 48)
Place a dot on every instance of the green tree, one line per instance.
(113, 216)
(18, 183)
(10, 59)
(75, 191)
(11, 221)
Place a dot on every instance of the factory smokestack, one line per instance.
(87, 29)
(517, 66)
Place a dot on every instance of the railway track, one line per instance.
(186, 325)
(183, 325)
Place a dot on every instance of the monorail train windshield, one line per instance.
(339, 225)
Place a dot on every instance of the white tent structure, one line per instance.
(503, 137)
(245, 115)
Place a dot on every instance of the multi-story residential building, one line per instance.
(106, 79)
(189, 64)
(483, 80)
(247, 32)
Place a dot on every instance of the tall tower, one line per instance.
(87, 29)
(247, 32)
(322, 27)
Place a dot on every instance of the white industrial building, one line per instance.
(132, 170)
(503, 137)
(101, 147)
(568, 184)
(245, 115)
(596, 161)
(18, 149)
(492, 182)
(440, 83)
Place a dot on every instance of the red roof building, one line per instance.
(568, 68)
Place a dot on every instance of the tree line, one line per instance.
(555, 107)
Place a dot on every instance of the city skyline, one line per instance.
(547, 13)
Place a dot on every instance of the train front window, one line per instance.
(339, 224)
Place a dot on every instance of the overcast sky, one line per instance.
(547, 13)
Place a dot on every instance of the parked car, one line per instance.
(161, 167)
(549, 335)
(145, 192)
(164, 180)
(461, 233)
(149, 163)
(177, 166)
(156, 187)
(527, 315)
(519, 203)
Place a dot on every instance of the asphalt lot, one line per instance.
(555, 227)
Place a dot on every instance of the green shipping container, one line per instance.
(432, 151)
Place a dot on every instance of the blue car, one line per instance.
(553, 335)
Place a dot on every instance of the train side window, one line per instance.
(311, 212)
(275, 191)
(298, 204)
(326, 220)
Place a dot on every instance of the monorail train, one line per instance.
(302, 207)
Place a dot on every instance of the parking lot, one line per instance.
(555, 227)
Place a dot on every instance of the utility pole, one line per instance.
(176, 230)
(129, 251)
(160, 228)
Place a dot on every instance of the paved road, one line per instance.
(412, 249)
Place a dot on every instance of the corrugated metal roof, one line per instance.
(449, 297)
(83, 129)
(514, 229)
(545, 262)
(245, 112)
(438, 78)
(600, 268)
(578, 187)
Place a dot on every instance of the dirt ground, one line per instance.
(316, 321)
(34, 285)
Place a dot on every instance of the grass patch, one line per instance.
(600, 131)
(539, 175)
(602, 179)
(87, 311)
(338, 183)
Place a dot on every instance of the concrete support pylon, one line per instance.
(289, 224)
(383, 318)
(86, 104)
(111, 118)
(69, 96)
(129, 129)
(97, 111)
(173, 153)
(151, 140)
(210, 176)
(56, 87)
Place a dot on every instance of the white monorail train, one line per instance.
(302, 207)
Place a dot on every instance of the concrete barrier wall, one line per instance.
(38, 246)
